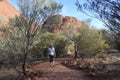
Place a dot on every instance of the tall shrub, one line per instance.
(91, 42)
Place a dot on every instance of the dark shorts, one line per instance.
(51, 58)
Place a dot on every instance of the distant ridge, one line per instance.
(58, 23)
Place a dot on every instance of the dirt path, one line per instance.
(58, 72)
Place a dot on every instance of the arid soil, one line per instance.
(63, 71)
(58, 72)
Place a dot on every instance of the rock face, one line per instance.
(58, 22)
(54, 24)
(7, 10)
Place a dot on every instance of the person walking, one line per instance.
(51, 50)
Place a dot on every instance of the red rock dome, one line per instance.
(7, 10)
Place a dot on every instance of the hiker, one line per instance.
(51, 50)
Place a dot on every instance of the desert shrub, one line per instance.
(40, 49)
(71, 48)
(91, 42)
(36, 52)
(60, 42)
(117, 42)
(61, 45)
(9, 60)
(109, 38)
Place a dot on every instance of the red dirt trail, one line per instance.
(58, 72)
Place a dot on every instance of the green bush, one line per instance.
(61, 45)
(91, 42)
(109, 37)
(71, 48)
(60, 42)
(40, 49)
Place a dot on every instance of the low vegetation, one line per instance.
(104, 65)
(25, 41)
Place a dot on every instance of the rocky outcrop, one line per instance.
(57, 23)
(54, 24)
(7, 10)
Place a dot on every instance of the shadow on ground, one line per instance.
(9, 77)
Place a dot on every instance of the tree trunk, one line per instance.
(26, 51)
(75, 48)
(76, 54)
(24, 64)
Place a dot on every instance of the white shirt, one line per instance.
(51, 51)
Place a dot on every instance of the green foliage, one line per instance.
(109, 37)
(2, 25)
(117, 41)
(13, 46)
(61, 45)
(41, 10)
(24, 30)
(10, 48)
(72, 34)
(86, 41)
(71, 47)
(91, 42)
(59, 41)
(108, 15)
(40, 49)
(53, 22)
(2, 21)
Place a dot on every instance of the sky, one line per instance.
(70, 9)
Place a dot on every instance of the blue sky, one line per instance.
(69, 9)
